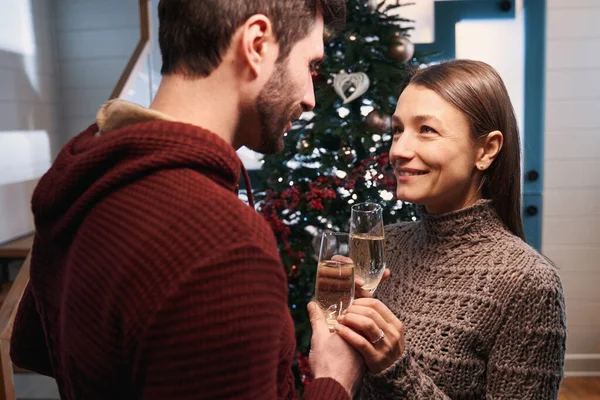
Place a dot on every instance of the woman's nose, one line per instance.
(403, 147)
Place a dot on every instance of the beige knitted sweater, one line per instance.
(483, 312)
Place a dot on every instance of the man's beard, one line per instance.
(276, 109)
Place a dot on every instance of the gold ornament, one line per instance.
(379, 121)
(348, 154)
(303, 145)
(401, 49)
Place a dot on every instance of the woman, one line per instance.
(472, 311)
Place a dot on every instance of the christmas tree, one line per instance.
(337, 155)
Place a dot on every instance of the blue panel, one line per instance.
(533, 146)
(448, 13)
(535, 55)
(532, 219)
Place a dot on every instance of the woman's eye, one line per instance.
(396, 130)
(427, 129)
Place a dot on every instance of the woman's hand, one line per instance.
(359, 292)
(374, 331)
(359, 282)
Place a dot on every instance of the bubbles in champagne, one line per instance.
(335, 287)
(368, 254)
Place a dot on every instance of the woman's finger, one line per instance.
(358, 281)
(381, 308)
(342, 259)
(363, 325)
(362, 345)
(360, 293)
(333, 285)
(367, 312)
(386, 275)
(334, 279)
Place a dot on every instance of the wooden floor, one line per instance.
(580, 389)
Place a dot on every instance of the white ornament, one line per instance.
(372, 5)
(344, 81)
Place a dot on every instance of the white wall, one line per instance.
(500, 43)
(59, 62)
(138, 88)
(28, 108)
(571, 218)
(95, 41)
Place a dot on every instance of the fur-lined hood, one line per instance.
(126, 143)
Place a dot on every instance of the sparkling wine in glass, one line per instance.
(367, 243)
(334, 290)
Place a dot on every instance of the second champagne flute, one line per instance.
(367, 243)
(334, 290)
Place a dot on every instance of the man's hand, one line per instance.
(330, 356)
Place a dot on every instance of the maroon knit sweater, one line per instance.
(150, 279)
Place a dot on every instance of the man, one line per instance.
(149, 278)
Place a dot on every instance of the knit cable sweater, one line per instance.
(483, 312)
(150, 279)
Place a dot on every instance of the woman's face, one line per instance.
(433, 155)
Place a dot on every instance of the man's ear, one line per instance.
(257, 40)
(489, 150)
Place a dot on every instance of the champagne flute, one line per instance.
(367, 243)
(334, 290)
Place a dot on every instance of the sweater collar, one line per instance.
(472, 222)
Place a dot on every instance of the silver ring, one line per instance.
(380, 338)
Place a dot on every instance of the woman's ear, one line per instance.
(489, 150)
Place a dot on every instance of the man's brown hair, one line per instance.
(194, 34)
